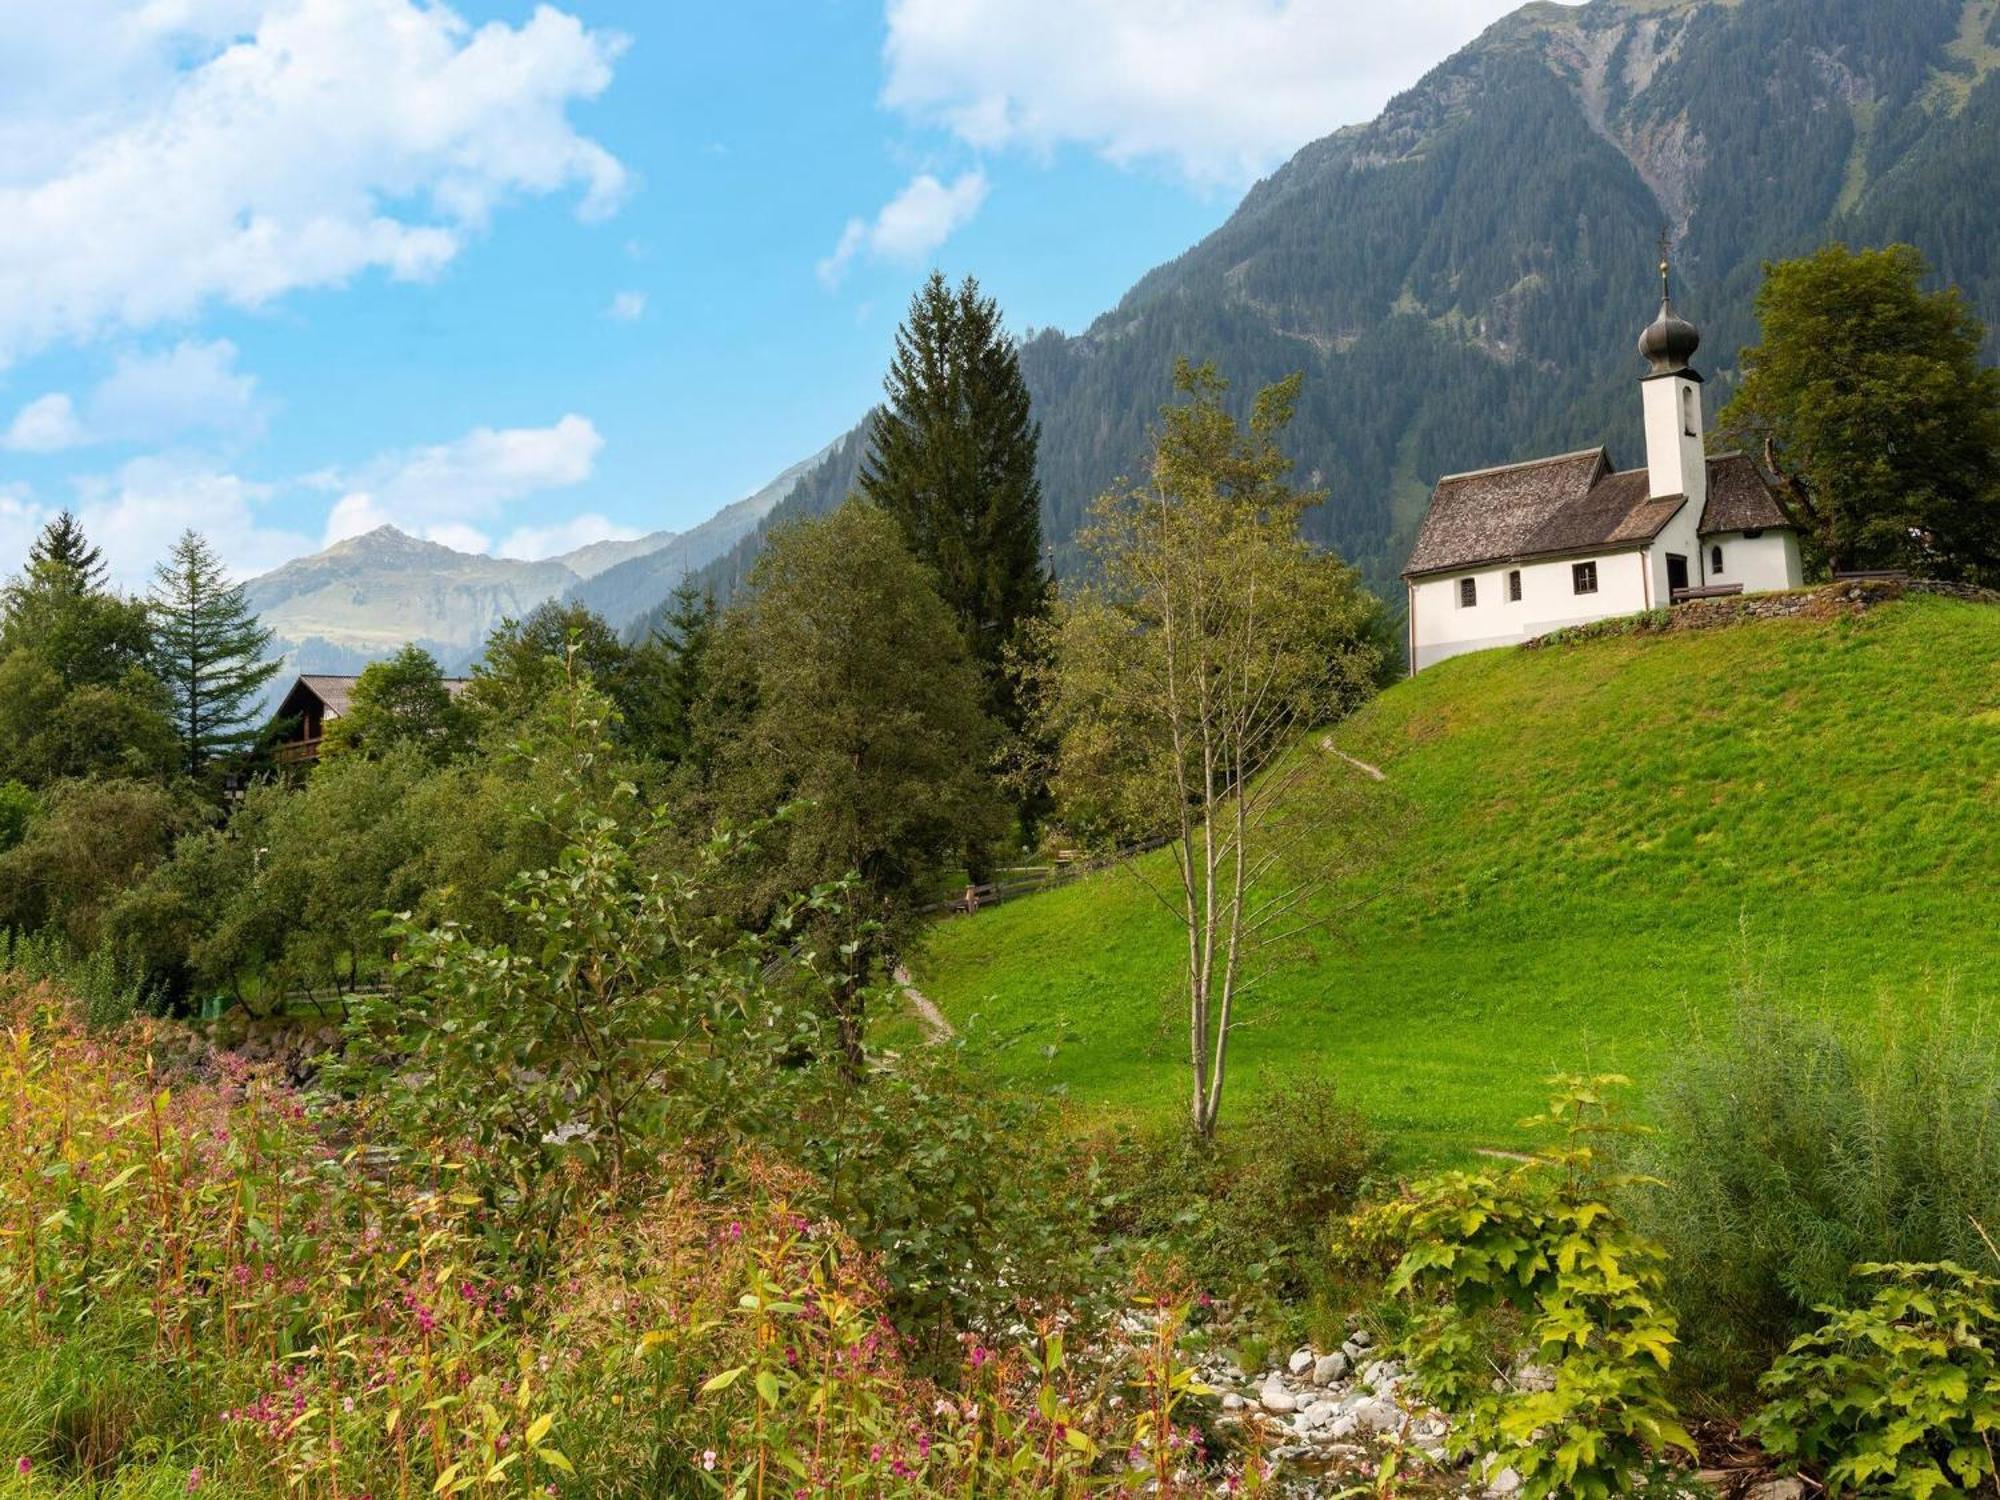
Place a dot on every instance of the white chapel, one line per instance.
(1508, 554)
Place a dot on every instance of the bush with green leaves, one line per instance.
(1248, 1213)
(1540, 1260)
(968, 1196)
(1794, 1146)
(626, 1017)
(1900, 1397)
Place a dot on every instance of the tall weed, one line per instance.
(1795, 1146)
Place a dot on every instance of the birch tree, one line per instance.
(1180, 681)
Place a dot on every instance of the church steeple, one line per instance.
(1669, 343)
(1676, 462)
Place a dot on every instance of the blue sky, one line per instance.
(518, 277)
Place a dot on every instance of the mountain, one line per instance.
(1594, 846)
(625, 592)
(364, 598)
(594, 558)
(1462, 280)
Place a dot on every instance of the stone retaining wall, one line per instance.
(1823, 601)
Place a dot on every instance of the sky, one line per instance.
(518, 277)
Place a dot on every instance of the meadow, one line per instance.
(1596, 846)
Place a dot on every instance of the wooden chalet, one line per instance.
(315, 700)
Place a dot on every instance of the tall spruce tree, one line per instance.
(209, 651)
(952, 458)
(62, 544)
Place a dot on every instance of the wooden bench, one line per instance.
(1713, 591)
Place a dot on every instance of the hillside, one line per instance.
(1608, 839)
(1462, 279)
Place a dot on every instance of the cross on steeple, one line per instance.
(1666, 262)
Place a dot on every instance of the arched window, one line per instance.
(1688, 411)
(1715, 559)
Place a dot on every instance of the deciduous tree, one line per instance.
(849, 694)
(1178, 685)
(1868, 401)
(403, 701)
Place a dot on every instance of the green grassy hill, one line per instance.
(1609, 839)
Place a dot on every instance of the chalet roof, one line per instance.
(1739, 497)
(1573, 503)
(334, 693)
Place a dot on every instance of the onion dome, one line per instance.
(1670, 342)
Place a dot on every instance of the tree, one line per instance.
(77, 696)
(847, 695)
(1177, 686)
(400, 702)
(952, 459)
(209, 651)
(89, 842)
(670, 671)
(528, 659)
(62, 544)
(1867, 400)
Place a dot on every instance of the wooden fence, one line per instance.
(1027, 880)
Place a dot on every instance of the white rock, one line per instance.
(1787, 1488)
(1382, 1375)
(1233, 1402)
(1328, 1368)
(1276, 1399)
(1344, 1426)
(1302, 1361)
(1320, 1413)
(1532, 1377)
(1382, 1416)
(1506, 1482)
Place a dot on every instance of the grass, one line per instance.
(1607, 838)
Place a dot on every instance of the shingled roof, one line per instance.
(335, 693)
(1739, 497)
(1495, 513)
(1574, 503)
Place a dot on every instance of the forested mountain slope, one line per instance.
(1462, 280)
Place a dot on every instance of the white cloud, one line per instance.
(1219, 90)
(193, 387)
(136, 513)
(147, 398)
(538, 542)
(439, 492)
(444, 493)
(200, 151)
(45, 425)
(911, 225)
(627, 307)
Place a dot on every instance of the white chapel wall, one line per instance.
(1762, 564)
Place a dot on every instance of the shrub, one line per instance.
(1541, 1257)
(1250, 1213)
(968, 1198)
(1793, 1147)
(1896, 1398)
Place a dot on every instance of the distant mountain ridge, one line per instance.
(364, 598)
